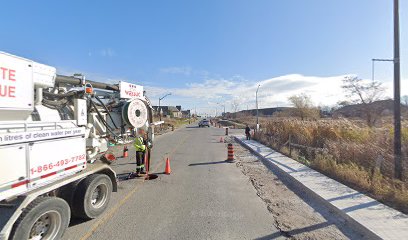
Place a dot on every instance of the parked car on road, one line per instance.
(204, 123)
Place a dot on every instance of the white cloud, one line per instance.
(210, 93)
(273, 92)
(323, 90)
(107, 52)
(389, 86)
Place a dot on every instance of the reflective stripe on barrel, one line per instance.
(230, 152)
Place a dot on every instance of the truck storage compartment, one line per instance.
(13, 170)
(54, 158)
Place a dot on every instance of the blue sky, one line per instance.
(214, 51)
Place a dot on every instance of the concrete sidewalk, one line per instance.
(370, 216)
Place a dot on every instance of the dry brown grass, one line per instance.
(356, 155)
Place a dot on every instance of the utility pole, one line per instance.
(224, 108)
(397, 101)
(159, 104)
(257, 111)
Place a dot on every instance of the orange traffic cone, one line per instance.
(125, 152)
(167, 170)
(221, 140)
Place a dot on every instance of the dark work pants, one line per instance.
(248, 136)
(140, 161)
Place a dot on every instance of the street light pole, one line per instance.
(223, 106)
(397, 101)
(159, 104)
(257, 111)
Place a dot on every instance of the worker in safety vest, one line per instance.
(140, 146)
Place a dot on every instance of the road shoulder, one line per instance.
(362, 213)
(297, 217)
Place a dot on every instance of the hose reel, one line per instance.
(135, 113)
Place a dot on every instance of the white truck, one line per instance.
(53, 131)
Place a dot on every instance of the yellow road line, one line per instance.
(114, 209)
(124, 200)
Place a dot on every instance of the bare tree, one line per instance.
(364, 93)
(235, 105)
(303, 107)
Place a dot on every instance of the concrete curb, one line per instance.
(298, 186)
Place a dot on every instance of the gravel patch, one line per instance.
(295, 216)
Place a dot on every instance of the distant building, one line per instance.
(168, 111)
(186, 114)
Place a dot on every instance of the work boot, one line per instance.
(130, 175)
(142, 171)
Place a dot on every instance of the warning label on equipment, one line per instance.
(16, 83)
(20, 137)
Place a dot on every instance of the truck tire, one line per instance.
(92, 196)
(43, 218)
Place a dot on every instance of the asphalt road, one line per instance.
(203, 198)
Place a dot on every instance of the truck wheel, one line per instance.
(92, 196)
(43, 218)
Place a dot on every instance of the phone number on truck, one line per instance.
(50, 166)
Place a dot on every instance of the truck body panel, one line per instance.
(31, 158)
(54, 128)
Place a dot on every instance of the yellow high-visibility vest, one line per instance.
(140, 147)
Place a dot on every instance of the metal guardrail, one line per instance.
(291, 145)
